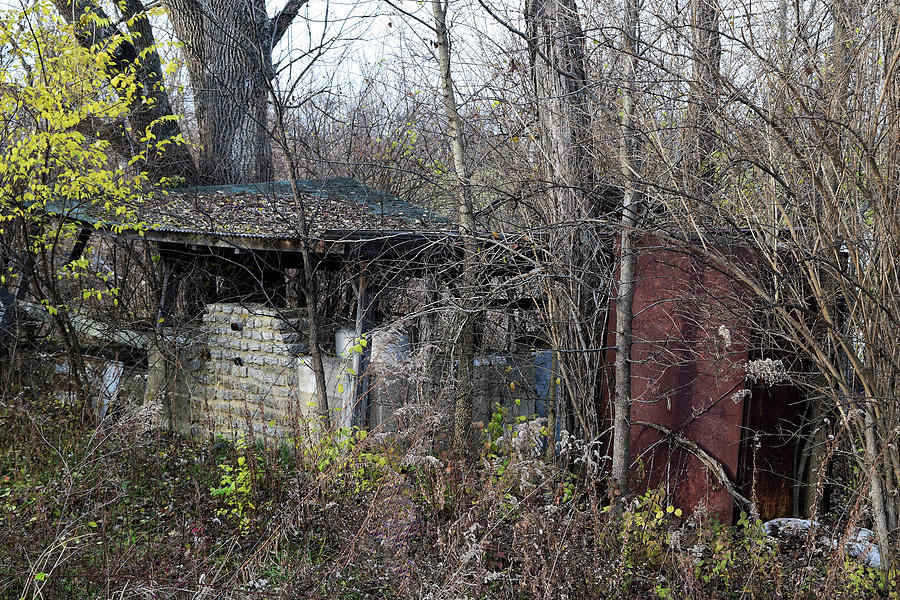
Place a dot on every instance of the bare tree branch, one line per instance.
(280, 23)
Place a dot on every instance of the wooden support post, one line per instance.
(161, 367)
(355, 414)
(273, 281)
(27, 268)
(274, 287)
(201, 285)
(169, 292)
(7, 319)
(256, 277)
(240, 280)
(427, 387)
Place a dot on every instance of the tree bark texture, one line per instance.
(154, 113)
(556, 51)
(228, 50)
(631, 207)
(465, 354)
(228, 46)
(576, 300)
(707, 55)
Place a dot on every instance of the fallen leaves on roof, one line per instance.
(330, 205)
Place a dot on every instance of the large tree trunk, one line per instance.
(556, 50)
(228, 48)
(152, 110)
(706, 48)
(228, 53)
(575, 306)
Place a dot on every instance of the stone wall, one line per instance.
(253, 372)
(246, 369)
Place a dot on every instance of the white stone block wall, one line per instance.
(246, 372)
(253, 376)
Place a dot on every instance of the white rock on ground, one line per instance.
(861, 545)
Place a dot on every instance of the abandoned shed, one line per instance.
(231, 348)
(235, 356)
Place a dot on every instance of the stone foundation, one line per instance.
(254, 375)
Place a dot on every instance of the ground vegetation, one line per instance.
(560, 141)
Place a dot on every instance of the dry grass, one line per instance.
(122, 510)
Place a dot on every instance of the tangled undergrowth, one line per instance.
(125, 510)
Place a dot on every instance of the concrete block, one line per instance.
(274, 361)
(281, 393)
(293, 338)
(222, 408)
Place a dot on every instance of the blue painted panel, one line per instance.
(544, 377)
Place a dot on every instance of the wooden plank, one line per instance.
(92, 328)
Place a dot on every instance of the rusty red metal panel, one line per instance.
(773, 418)
(690, 347)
